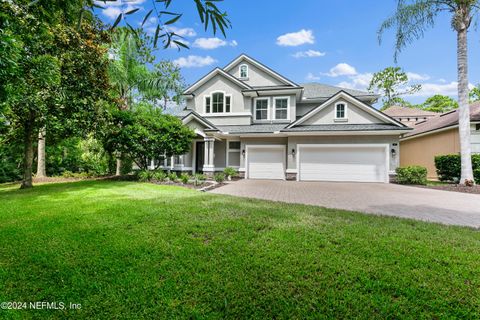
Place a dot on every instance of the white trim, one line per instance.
(386, 146)
(275, 107)
(292, 171)
(240, 71)
(260, 66)
(227, 150)
(231, 114)
(210, 95)
(210, 75)
(255, 108)
(345, 105)
(265, 146)
(352, 100)
(189, 117)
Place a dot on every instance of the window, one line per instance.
(340, 111)
(227, 103)
(261, 109)
(233, 154)
(281, 108)
(244, 71)
(207, 104)
(477, 127)
(217, 102)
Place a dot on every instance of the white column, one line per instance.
(208, 166)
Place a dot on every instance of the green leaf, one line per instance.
(117, 21)
(146, 17)
(173, 20)
(132, 11)
(155, 38)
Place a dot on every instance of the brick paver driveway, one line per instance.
(385, 199)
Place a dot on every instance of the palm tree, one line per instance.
(127, 70)
(411, 20)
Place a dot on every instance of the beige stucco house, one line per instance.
(437, 136)
(249, 117)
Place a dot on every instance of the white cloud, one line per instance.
(183, 32)
(114, 8)
(360, 81)
(308, 54)
(446, 89)
(294, 39)
(311, 77)
(341, 69)
(212, 43)
(194, 61)
(417, 77)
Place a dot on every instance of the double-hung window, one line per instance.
(233, 154)
(261, 109)
(217, 102)
(281, 108)
(243, 71)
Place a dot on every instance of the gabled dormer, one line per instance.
(256, 74)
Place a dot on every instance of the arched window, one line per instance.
(243, 71)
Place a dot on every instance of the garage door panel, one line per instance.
(266, 163)
(358, 164)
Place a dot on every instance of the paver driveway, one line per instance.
(385, 199)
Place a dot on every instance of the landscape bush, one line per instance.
(144, 175)
(159, 175)
(184, 177)
(219, 177)
(412, 175)
(172, 176)
(230, 172)
(449, 167)
(199, 179)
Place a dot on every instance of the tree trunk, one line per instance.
(464, 109)
(118, 172)
(28, 154)
(41, 169)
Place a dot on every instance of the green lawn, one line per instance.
(131, 250)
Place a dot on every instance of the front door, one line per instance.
(199, 156)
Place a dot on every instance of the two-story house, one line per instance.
(249, 117)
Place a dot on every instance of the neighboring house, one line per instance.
(437, 136)
(251, 118)
(409, 116)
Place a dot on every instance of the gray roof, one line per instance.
(253, 128)
(345, 127)
(325, 91)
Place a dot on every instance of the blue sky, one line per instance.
(332, 42)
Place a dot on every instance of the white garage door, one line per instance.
(343, 163)
(266, 162)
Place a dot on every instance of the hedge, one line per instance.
(412, 175)
(449, 167)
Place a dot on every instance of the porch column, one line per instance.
(209, 166)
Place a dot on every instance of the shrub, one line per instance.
(412, 175)
(159, 175)
(184, 177)
(199, 178)
(144, 175)
(230, 172)
(219, 177)
(449, 167)
(172, 176)
(476, 175)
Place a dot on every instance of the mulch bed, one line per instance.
(455, 188)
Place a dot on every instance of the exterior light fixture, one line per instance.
(394, 152)
(243, 152)
(293, 152)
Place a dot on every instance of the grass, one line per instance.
(129, 251)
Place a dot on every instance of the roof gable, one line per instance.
(260, 66)
(344, 96)
(216, 72)
(193, 118)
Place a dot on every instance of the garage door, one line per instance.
(343, 163)
(266, 162)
